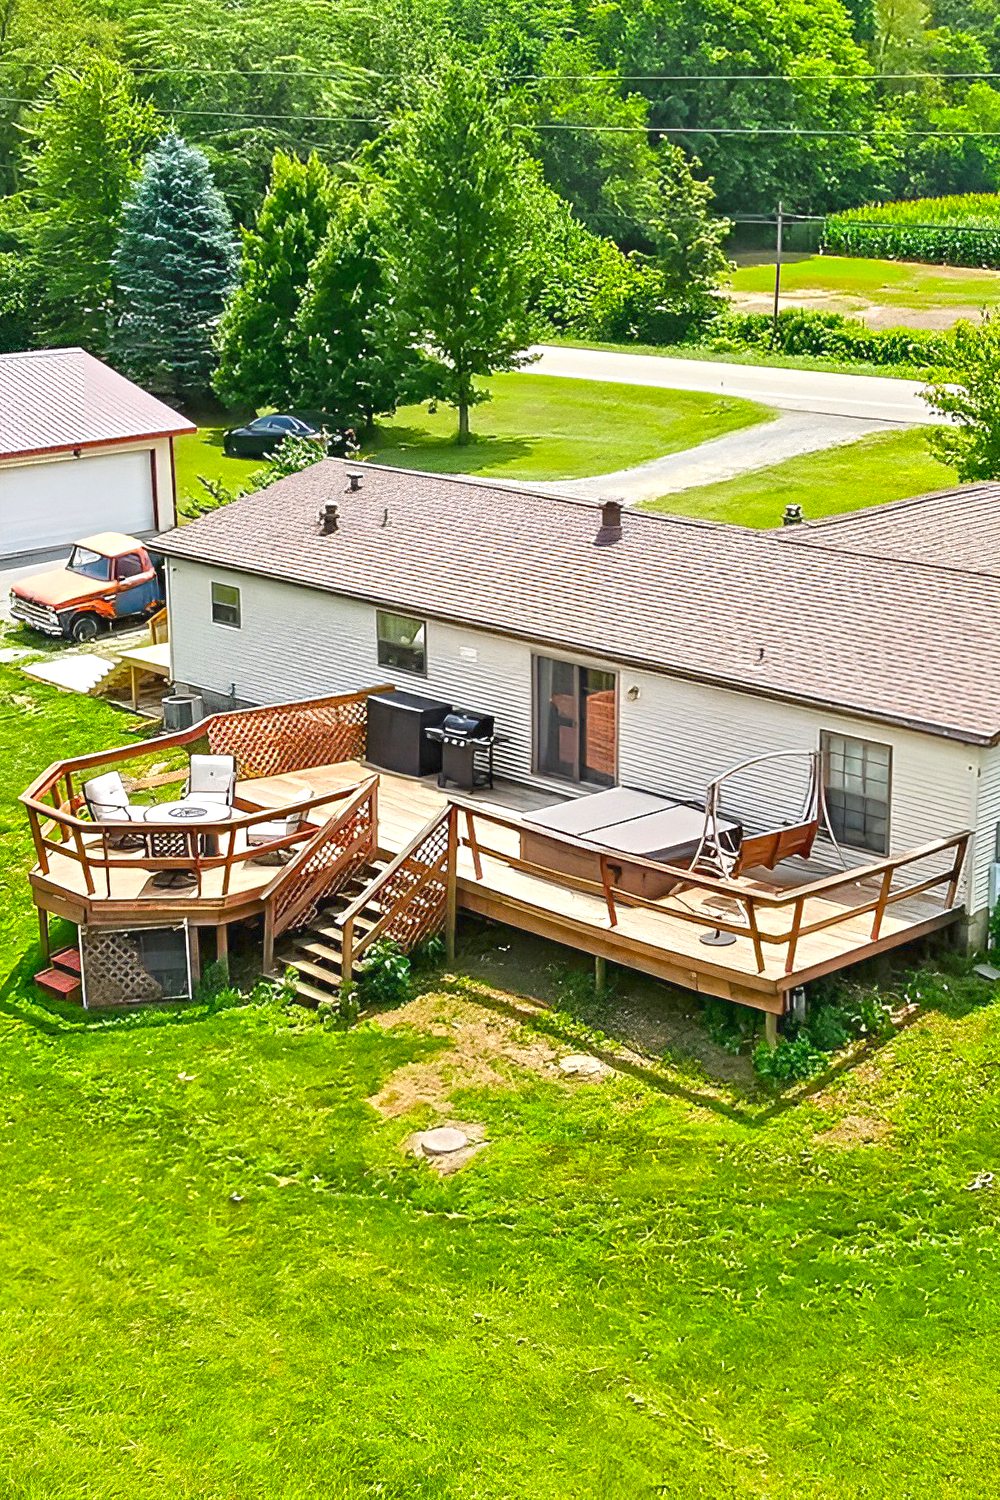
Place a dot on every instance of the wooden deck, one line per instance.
(655, 941)
(445, 854)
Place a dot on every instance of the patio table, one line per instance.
(171, 843)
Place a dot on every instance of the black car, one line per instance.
(259, 438)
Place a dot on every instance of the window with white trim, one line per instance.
(857, 777)
(226, 605)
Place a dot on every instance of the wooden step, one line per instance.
(322, 951)
(59, 982)
(316, 972)
(67, 959)
(333, 930)
(310, 994)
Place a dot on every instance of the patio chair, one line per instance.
(107, 802)
(212, 779)
(276, 828)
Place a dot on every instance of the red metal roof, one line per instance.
(57, 399)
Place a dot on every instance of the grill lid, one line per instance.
(467, 724)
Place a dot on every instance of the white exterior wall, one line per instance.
(987, 819)
(674, 736)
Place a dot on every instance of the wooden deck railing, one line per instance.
(411, 894)
(270, 740)
(754, 907)
(323, 866)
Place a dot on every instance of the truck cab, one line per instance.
(106, 578)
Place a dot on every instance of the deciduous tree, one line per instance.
(467, 240)
(970, 398)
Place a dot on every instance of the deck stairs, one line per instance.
(314, 952)
(62, 978)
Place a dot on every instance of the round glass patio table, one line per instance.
(167, 844)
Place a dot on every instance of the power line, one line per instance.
(355, 70)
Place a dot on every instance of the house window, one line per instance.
(857, 778)
(226, 605)
(401, 642)
(576, 733)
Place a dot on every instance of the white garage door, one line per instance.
(48, 504)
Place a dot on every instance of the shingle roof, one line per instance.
(897, 641)
(949, 528)
(54, 399)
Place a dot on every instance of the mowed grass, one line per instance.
(903, 284)
(546, 427)
(221, 1276)
(886, 466)
(533, 427)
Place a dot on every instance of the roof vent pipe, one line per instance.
(792, 515)
(353, 479)
(611, 523)
(329, 518)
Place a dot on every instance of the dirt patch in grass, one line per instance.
(854, 1130)
(486, 1050)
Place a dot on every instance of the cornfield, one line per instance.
(960, 231)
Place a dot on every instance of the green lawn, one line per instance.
(221, 1277)
(534, 427)
(887, 466)
(545, 427)
(898, 283)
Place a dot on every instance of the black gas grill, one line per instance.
(466, 739)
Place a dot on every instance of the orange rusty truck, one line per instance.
(107, 579)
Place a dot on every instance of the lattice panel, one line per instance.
(113, 971)
(268, 742)
(418, 914)
(321, 874)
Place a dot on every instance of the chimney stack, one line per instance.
(353, 479)
(611, 523)
(329, 518)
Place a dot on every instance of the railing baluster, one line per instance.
(793, 936)
(883, 897)
(477, 863)
(609, 898)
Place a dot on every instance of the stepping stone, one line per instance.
(580, 1065)
(443, 1141)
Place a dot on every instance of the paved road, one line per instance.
(739, 452)
(866, 396)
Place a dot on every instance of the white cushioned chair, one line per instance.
(107, 802)
(212, 778)
(276, 828)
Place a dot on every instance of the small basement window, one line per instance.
(857, 777)
(226, 605)
(401, 642)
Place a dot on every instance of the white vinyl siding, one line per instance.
(55, 501)
(674, 736)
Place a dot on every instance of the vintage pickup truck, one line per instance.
(107, 578)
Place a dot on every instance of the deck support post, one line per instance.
(43, 935)
(222, 944)
(451, 888)
(194, 940)
(600, 976)
(771, 1028)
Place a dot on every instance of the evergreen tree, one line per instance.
(88, 142)
(347, 347)
(174, 268)
(467, 237)
(254, 350)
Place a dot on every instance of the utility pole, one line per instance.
(777, 265)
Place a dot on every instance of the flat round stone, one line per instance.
(443, 1141)
(580, 1063)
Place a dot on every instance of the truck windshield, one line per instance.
(90, 564)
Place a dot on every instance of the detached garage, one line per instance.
(82, 450)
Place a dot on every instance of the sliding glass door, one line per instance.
(576, 732)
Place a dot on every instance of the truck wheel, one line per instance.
(83, 628)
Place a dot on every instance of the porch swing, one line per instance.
(768, 849)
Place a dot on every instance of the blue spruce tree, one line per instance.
(174, 268)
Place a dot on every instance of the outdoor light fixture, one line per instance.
(633, 694)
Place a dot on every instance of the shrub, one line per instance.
(959, 231)
(789, 1061)
(728, 1025)
(830, 336)
(385, 974)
